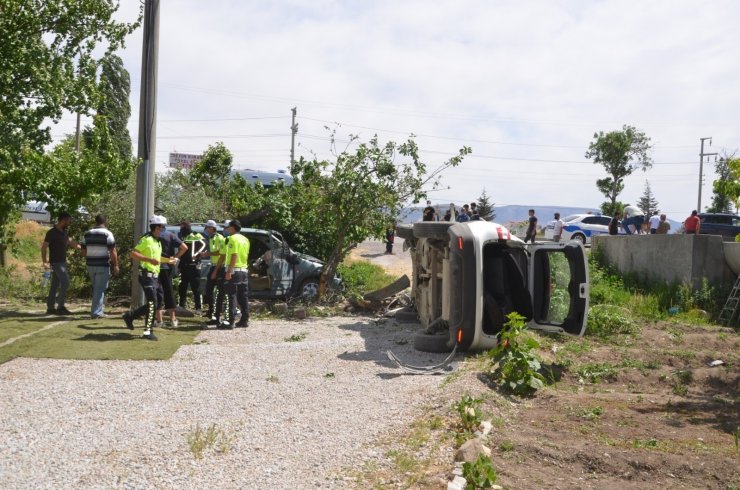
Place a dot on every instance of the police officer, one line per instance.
(190, 264)
(149, 254)
(216, 242)
(236, 275)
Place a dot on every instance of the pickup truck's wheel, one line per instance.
(431, 229)
(432, 343)
(309, 288)
(405, 231)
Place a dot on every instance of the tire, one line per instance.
(431, 229)
(432, 343)
(407, 316)
(309, 288)
(580, 237)
(405, 231)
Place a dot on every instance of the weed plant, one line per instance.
(480, 473)
(517, 368)
(363, 277)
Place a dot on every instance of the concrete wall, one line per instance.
(686, 259)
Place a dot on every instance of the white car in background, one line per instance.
(581, 227)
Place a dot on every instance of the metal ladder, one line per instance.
(729, 311)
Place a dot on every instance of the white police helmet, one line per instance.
(157, 220)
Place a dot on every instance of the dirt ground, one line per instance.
(645, 412)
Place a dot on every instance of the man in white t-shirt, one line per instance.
(557, 231)
(633, 219)
(654, 222)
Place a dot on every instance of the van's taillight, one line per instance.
(459, 335)
(459, 242)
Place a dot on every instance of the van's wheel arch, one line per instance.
(432, 229)
(425, 342)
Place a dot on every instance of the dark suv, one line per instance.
(726, 225)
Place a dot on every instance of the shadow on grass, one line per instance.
(105, 337)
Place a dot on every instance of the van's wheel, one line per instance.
(405, 231)
(432, 343)
(309, 288)
(432, 229)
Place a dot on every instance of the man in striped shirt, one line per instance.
(99, 248)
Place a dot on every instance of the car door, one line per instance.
(279, 267)
(558, 283)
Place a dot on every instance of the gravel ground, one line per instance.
(289, 414)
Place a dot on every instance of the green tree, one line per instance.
(620, 153)
(647, 203)
(113, 105)
(485, 207)
(356, 196)
(611, 209)
(182, 200)
(49, 55)
(722, 199)
(213, 171)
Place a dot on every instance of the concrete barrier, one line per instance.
(685, 259)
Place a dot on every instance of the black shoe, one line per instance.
(128, 320)
(63, 311)
(226, 326)
(212, 321)
(149, 335)
(51, 311)
(242, 324)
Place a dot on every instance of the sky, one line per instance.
(525, 84)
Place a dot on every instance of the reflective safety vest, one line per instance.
(237, 245)
(150, 247)
(196, 244)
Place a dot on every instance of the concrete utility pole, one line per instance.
(77, 135)
(701, 168)
(293, 132)
(147, 134)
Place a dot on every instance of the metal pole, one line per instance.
(147, 134)
(293, 131)
(77, 135)
(701, 173)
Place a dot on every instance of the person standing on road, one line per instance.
(531, 227)
(190, 264)
(56, 242)
(99, 249)
(692, 225)
(236, 277)
(429, 213)
(215, 242)
(148, 252)
(664, 225)
(172, 247)
(654, 222)
(557, 231)
(614, 224)
(390, 234)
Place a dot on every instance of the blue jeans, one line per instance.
(99, 275)
(59, 280)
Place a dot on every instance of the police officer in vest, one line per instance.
(215, 243)
(148, 252)
(236, 275)
(190, 264)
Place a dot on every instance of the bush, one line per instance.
(517, 368)
(605, 321)
(362, 277)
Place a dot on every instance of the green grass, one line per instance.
(363, 277)
(82, 338)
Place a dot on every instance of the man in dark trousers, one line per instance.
(531, 227)
(57, 241)
(236, 276)
(190, 264)
(172, 247)
(215, 243)
(148, 252)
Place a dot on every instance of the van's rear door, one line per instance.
(558, 281)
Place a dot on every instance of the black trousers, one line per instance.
(208, 296)
(218, 307)
(150, 285)
(530, 236)
(165, 292)
(189, 276)
(235, 291)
